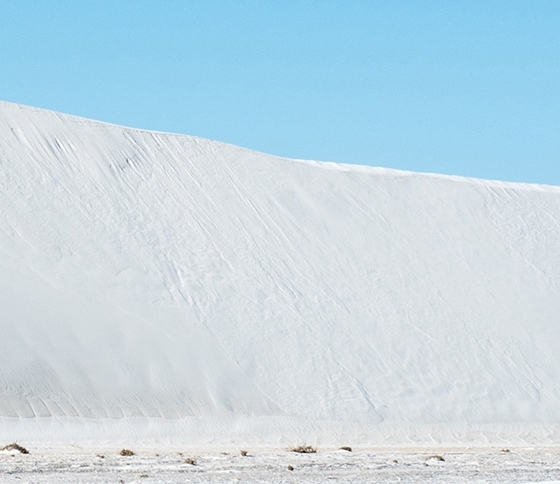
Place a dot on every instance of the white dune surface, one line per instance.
(160, 286)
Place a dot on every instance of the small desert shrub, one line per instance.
(439, 458)
(191, 461)
(347, 449)
(126, 452)
(304, 449)
(15, 446)
(243, 453)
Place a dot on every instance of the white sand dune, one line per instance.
(157, 285)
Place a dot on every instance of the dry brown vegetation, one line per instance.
(126, 452)
(15, 446)
(304, 449)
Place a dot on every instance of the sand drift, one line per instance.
(160, 286)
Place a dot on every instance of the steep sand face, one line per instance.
(155, 276)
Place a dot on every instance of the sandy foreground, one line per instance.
(172, 465)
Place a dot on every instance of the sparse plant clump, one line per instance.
(190, 461)
(505, 450)
(243, 453)
(126, 452)
(15, 446)
(304, 449)
(346, 448)
(438, 458)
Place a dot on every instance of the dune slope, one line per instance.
(168, 278)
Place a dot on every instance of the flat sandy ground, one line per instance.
(82, 465)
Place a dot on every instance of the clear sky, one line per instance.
(463, 87)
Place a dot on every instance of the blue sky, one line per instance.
(460, 87)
